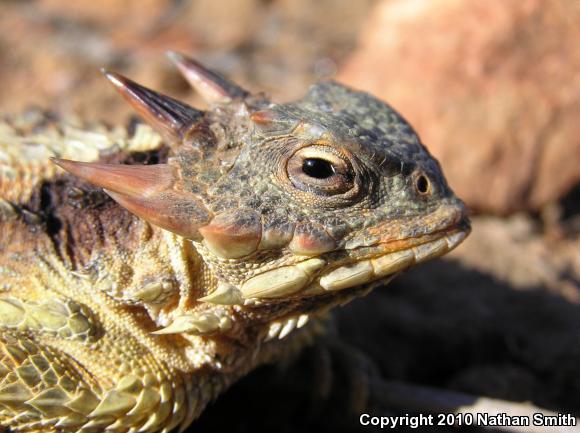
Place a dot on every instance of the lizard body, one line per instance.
(142, 282)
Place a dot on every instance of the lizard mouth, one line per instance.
(349, 268)
(386, 260)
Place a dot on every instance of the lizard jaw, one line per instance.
(309, 278)
(386, 265)
(348, 282)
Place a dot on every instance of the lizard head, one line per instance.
(292, 207)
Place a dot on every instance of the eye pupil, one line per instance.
(317, 168)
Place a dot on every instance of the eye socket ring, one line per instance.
(321, 170)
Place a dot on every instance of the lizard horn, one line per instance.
(168, 116)
(214, 88)
(146, 191)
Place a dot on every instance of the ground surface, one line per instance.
(498, 317)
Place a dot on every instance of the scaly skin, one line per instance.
(129, 309)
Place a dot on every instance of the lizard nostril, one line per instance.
(422, 184)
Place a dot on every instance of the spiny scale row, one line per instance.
(63, 318)
(304, 277)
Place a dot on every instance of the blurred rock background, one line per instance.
(493, 87)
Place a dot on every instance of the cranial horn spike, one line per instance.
(142, 180)
(147, 191)
(167, 115)
(268, 120)
(214, 88)
(263, 117)
(173, 211)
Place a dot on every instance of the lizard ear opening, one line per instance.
(171, 118)
(214, 88)
(147, 191)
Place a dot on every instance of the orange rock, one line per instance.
(492, 87)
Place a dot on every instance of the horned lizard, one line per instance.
(164, 264)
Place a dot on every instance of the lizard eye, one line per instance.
(320, 170)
